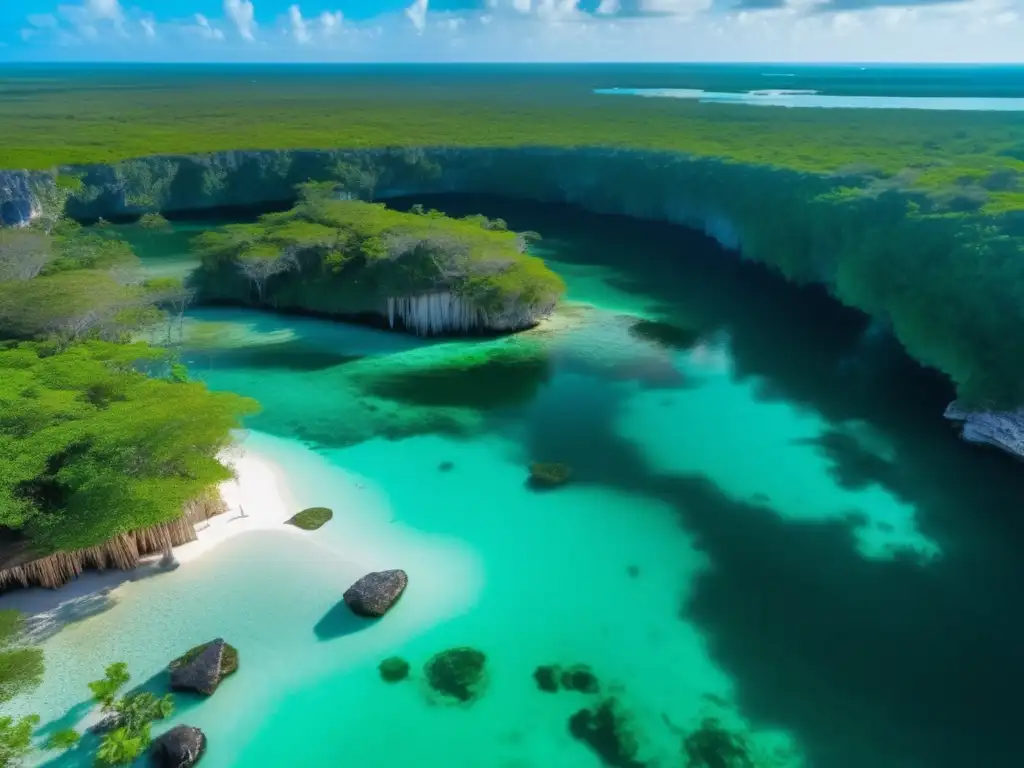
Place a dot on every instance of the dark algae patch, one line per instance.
(712, 746)
(312, 518)
(605, 729)
(665, 334)
(546, 677)
(394, 669)
(457, 674)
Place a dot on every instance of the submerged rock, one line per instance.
(374, 594)
(545, 475)
(457, 673)
(446, 466)
(604, 729)
(181, 747)
(311, 519)
(201, 669)
(547, 677)
(394, 669)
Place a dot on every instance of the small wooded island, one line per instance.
(422, 271)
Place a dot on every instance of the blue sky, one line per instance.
(512, 30)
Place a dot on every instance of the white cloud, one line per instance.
(417, 13)
(674, 7)
(299, 26)
(609, 7)
(148, 28)
(243, 15)
(330, 22)
(205, 29)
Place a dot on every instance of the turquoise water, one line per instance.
(768, 523)
(808, 98)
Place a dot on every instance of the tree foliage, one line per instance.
(21, 666)
(133, 714)
(360, 253)
(16, 739)
(90, 446)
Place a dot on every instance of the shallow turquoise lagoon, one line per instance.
(768, 523)
(810, 98)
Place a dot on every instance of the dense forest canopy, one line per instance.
(63, 118)
(98, 435)
(354, 254)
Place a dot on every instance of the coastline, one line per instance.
(260, 487)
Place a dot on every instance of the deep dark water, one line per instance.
(870, 663)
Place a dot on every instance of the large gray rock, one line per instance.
(181, 747)
(202, 668)
(374, 594)
(1000, 429)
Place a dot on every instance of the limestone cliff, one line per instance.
(18, 202)
(859, 232)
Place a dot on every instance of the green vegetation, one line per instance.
(65, 119)
(130, 718)
(312, 518)
(21, 670)
(93, 447)
(349, 257)
(21, 666)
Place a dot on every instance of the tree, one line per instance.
(261, 263)
(16, 739)
(105, 690)
(21, 667)
(173, 294)
(91, 447)
(24, 253)
(133, 714)
(120, 747)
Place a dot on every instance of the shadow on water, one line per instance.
(868, 663)
(84, 753)
(339, 621)
(882, 663)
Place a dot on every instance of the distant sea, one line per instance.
(928, 80)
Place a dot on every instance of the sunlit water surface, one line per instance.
(768, 523)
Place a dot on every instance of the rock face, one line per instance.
(1003, 430)
(202, 668)
(181, 747)
(17, 203)
(374, 594)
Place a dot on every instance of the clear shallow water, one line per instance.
(800, 98)
(817, 559)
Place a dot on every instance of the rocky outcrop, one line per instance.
(18, 202)
(1000, 429)
(201, 669)
(374, 594)
(181, 747)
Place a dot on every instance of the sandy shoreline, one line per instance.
(257, 499)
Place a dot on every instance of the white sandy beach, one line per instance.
(259, 489)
